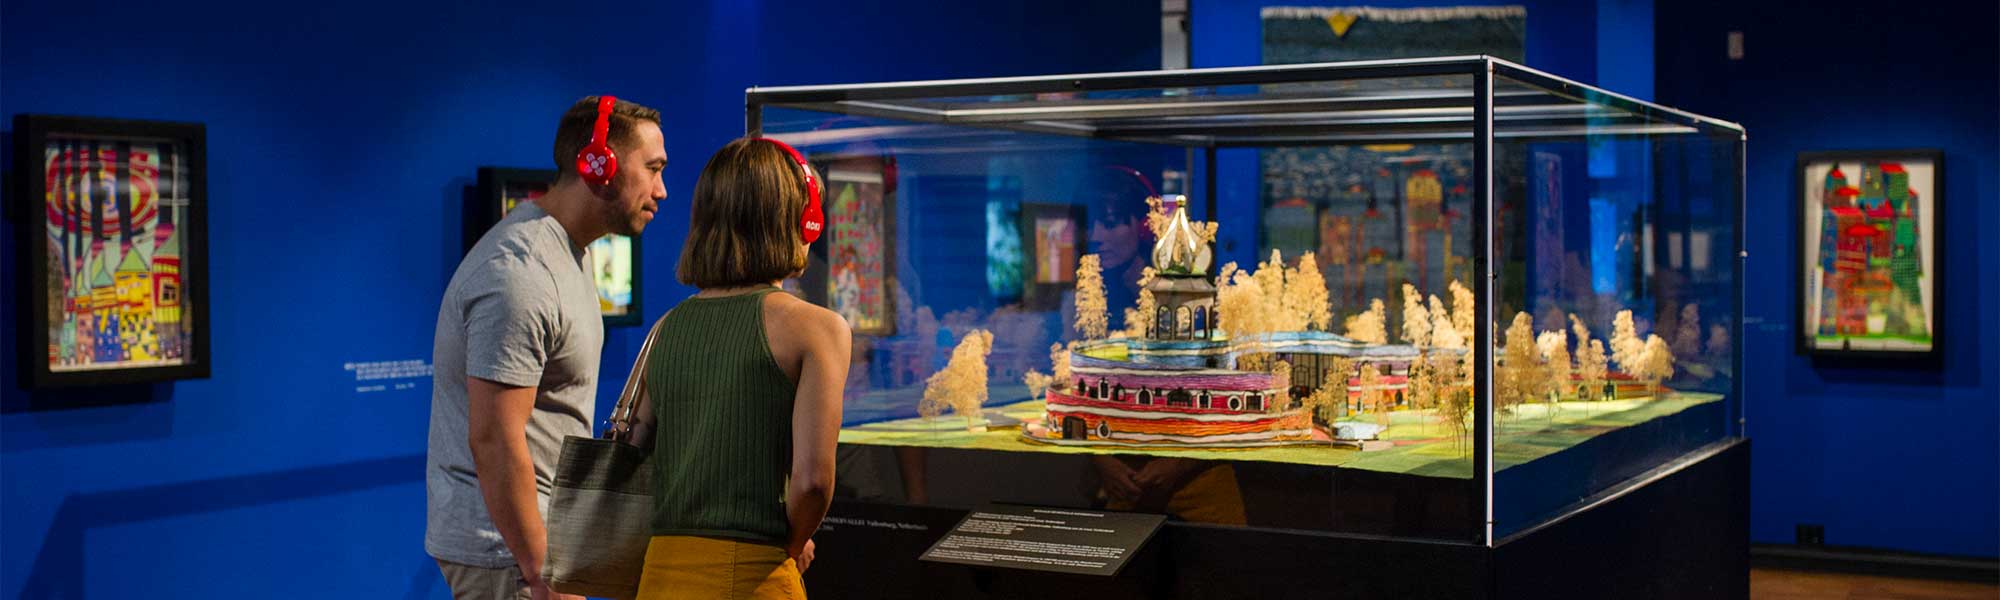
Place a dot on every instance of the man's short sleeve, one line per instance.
(509, 323)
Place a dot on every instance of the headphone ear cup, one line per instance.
(596, 164)
(813, 222)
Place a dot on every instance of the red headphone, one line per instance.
(595, 162)
(813, 220)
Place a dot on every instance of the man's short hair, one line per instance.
(573, 132)
(743, 225)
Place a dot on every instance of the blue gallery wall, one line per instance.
(1600, 42)
(341, 137)
(1883, 456)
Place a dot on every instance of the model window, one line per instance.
(1146, 397)
(1235, 403)
(1104, 429)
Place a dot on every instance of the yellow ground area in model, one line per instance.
(1423, 446)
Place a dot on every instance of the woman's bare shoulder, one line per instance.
(797, 317)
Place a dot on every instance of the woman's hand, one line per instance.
(805, 557)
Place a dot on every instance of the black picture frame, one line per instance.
(1037, 295)
(179, 156)
(1930, 244)
(492, 206)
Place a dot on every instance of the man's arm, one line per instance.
(815, 426)
(498, 436)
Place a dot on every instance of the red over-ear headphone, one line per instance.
(813, 220)
(595, 162)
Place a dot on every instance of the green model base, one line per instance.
(1422, 445)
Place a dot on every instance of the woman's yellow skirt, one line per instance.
(688, 567)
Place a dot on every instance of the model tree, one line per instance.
(1416, 320)
(1369, 326)
(961, 385)
(1371, 393)
(1137, 319)
(1554, 347)
(1059, 364)
(1687, 337)
(1463, 311)
(1655, 363)
(1519, 377)
(1240, 304)
(1091, 313)
(1718, 344)
(1279, 314)
(1625, 342)
(1591, 367)
(1306, 296)
(1454, 399)
(1443, 333)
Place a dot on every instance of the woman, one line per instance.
(742, 389)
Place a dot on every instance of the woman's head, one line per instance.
(743, 227)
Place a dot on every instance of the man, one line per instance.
(515, 355)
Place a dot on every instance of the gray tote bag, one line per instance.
(601, 511)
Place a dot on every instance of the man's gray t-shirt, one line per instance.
(521, 311)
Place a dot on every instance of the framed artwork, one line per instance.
(614, 258)
(1052, 242)
(1870, 258)
(115, 238)
(857, 276)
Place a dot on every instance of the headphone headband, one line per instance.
(813, 220)
(596, 163)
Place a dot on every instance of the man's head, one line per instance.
(743, 226)
(636, 190)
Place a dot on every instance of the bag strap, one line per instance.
(621, 414)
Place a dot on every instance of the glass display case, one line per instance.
(1445, 298)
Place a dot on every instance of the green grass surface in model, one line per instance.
(1423, 446)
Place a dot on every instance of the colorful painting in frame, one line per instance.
(1869, 227)
(860, 247)
(1052, 240)
(115, 239)
(614, 258)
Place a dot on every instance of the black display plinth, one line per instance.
(1680, 531)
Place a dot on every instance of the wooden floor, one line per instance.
(1771, 584)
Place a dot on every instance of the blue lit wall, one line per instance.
(341, 138)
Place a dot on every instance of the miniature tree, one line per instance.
(1443, 333)
(1454, 400)
(1371, 394)
(1137, 319)
(1157, 217)
(1718, 344)
(1463, 312)
(1091, 312)
(1306, 296)
(1037, 382)
(1582, 331)
(1554, 347)
(1368, 327)
(1590, 367)
(1240, 305)
(961, 385)
(1416, 320)
(1687, 337)
(1320, 404)
(1655, 363)
(1279, 314)
(1059, 361)
(1625, 342)
(1519, 377)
